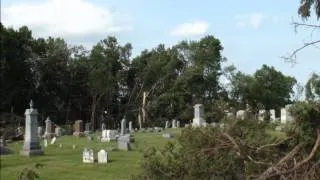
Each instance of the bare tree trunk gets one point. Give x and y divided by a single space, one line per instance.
139 120
143 108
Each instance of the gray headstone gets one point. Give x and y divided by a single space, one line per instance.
178 124
48 131
88 128
123 126
122 145
40 131
31 144
78 128
103 126
58 131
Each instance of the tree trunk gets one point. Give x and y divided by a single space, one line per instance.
93 110
143 108
139 119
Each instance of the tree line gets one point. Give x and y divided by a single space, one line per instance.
104 84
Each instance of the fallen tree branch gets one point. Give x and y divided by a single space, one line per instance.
310 156
272 145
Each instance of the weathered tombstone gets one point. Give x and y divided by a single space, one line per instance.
108 135
48 131
198 116
272 115
174 123
88 128
285 114
31 144
261 114
167 135
40 131
240 114
103 126
88 156
123 126
58 131
124 142
103 156
78 128
53 140
178 124
130 127
167 124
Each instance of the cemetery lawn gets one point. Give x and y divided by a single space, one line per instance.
66 163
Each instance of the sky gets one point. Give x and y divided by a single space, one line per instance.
252 32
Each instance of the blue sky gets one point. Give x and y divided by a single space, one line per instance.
252 32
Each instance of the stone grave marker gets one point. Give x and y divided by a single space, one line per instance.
167 135
88 128
167 124
123 126
102 157
130 127
48 130
87 156
78 128
198 119
178 124
40 131
53 140
31 144
174 125
58 131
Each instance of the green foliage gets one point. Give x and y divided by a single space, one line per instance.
313 88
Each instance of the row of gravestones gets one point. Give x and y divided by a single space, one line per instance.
284 118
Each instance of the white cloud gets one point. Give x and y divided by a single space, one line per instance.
190 29
63 18
253 20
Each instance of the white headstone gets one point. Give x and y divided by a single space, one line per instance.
272 115
174 124
285 115
102 156
31 144
198 116
167 124
108 135
88 156
58 131
178 124
53 140
48 130
261 114
240 114
40 131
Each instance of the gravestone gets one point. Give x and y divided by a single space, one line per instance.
48 131
198 116
124 142
178 124
102 157
58 131
130 127
174 123
31 144
123 126
53 140
103 126
167 135
261 114
87 156
240 114
272 115
78 128
108 135
157 129
285 115
40 131
167 124
88 128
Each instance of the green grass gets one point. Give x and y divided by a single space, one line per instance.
66 163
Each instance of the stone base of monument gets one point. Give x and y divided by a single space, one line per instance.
80 134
